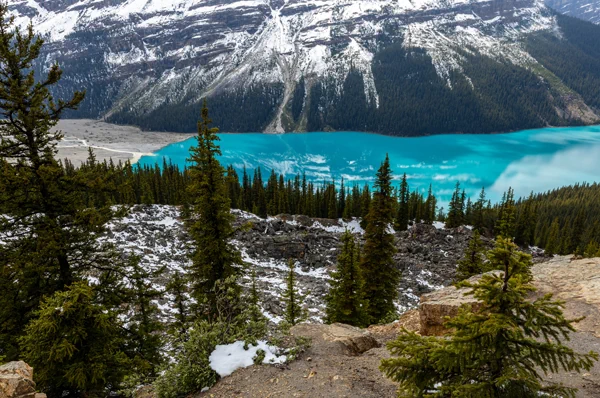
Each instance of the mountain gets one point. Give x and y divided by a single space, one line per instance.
584 9
408 67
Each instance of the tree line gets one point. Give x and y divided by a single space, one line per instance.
561 220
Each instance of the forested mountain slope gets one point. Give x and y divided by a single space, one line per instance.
583 9
394 67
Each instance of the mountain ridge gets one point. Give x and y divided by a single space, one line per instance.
305 65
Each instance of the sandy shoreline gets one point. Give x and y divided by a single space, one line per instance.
121 143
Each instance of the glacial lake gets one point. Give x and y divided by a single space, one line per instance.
531 160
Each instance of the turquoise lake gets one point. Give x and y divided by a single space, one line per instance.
531 160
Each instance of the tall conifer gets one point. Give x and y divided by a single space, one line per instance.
377 263
346 298
210 224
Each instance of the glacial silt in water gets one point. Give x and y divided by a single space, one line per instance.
532 160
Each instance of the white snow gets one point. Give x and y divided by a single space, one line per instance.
227 358
286 41
439 225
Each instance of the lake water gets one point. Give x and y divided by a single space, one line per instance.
532 160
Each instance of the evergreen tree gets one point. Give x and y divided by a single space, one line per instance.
479 210
377 264
178 289
210 224
401 223
75 345
505 225
294 310
473 261
455 217
257 323
525 228
53 224
430 206
553 241
345 301
497 351
144 324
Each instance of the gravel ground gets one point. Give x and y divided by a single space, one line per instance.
110 140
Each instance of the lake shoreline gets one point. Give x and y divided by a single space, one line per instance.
110 141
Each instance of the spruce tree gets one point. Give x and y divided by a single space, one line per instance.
75 345
144 324
553 241
506 223
526 222
51 218
257 322
210 223
178 290
474 259
377 263
455 217
293 299
346 298
479 211
501 350
401 223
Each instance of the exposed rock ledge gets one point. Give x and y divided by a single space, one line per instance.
332 366
576 282
16 381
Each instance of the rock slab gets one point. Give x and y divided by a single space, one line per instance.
341 338
16 381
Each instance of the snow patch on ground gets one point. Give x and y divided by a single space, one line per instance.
227 358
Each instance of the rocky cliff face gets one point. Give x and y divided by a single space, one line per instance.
142 60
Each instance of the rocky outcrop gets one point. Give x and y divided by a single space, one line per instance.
436 307
577 283
16 381
340 338
574 281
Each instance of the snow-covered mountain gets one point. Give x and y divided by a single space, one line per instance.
149 61
588 10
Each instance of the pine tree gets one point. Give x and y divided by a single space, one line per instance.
294 311
505 225
430 206
455 217
178 289
497 351
479 210
346 298
50 214
526 222
473 261
144 324
401 223
210 224
377 263
553 241
75 345
257 323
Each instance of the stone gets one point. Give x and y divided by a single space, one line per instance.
338 337
435 307
16 381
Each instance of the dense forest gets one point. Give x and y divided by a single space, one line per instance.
562 220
